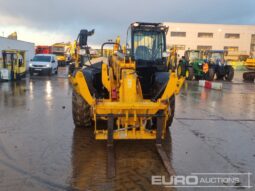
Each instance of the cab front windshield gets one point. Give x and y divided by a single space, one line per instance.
41 59
214 56
194 55
148 45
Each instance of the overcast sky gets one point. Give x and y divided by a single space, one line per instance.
49 21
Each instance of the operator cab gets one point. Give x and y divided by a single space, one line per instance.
216 57
192 55
146 45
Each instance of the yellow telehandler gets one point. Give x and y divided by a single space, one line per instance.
129 95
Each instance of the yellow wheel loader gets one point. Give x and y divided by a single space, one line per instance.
129 95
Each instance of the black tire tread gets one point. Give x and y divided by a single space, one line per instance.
249 76
191 73
210 74
172 107
230 75
81 111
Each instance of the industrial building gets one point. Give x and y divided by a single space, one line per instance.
186 36
12 44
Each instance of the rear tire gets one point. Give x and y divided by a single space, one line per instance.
180 70
172 109
190 74
230 75
81 111
210 74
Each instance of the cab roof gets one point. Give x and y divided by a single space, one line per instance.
149 26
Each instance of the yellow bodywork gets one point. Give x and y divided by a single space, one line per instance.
126 102
62 50
61 58
250 63
17 63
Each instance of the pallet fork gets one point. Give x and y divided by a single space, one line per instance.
111 171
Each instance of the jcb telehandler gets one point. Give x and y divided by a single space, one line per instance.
130 95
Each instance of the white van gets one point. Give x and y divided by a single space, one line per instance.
44 63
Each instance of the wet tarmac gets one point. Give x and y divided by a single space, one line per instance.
213 132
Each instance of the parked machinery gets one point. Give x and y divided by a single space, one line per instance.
43 50
13 65
218 64
250 65
193 65
62 51
236 59
130 95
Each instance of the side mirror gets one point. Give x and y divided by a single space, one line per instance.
165 54
53 61
31 60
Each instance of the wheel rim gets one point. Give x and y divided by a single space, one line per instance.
179 70
187 74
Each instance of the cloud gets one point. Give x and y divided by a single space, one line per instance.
111 18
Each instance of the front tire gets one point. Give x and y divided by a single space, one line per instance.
210 74
171 111
230 74
81 111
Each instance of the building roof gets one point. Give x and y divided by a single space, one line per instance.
204 25
4 38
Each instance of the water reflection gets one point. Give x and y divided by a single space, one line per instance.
48 94
48 89
13 93
192 91
136 162
31 88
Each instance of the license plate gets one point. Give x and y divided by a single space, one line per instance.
38 69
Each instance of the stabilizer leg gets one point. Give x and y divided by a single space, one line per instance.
166 161
110 149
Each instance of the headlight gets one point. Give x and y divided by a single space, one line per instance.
48 65
30 64
136 24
